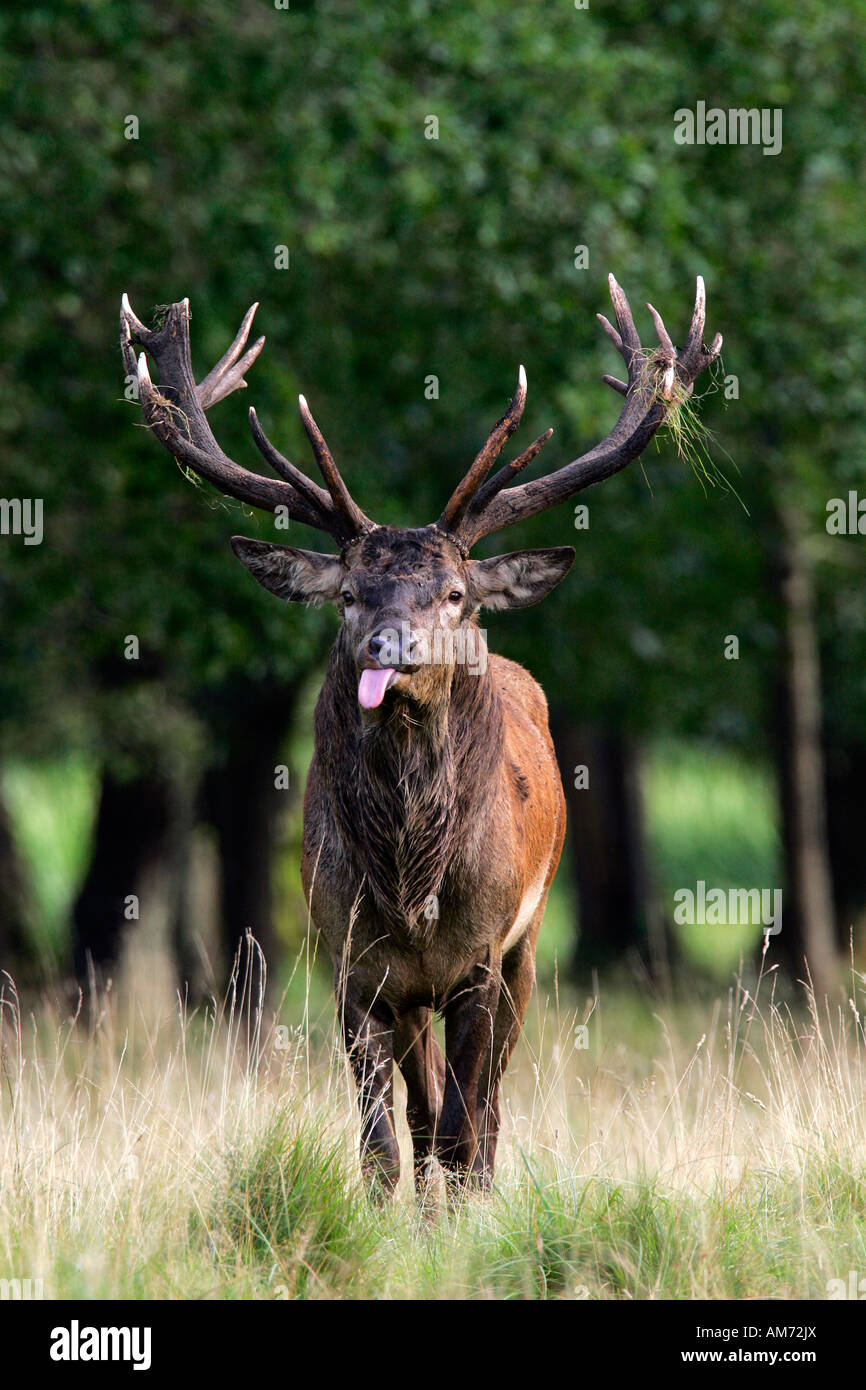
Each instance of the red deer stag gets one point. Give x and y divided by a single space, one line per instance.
434 814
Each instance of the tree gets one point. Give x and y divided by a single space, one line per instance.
447 198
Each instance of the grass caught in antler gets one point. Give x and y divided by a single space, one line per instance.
693 440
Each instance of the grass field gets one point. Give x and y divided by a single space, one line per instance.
684 1153
708 1146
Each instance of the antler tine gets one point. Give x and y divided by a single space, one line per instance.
130 323
614 381
161 415
662 334
695 338
610 331
175 411
505 475
667 354
228 374
354 519
626 341
625 322
461 498
315 495
695 350
647 403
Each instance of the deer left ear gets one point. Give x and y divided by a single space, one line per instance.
518 579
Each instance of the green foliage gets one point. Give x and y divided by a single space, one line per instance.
411 256
52 809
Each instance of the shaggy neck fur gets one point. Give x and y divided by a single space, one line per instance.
409 789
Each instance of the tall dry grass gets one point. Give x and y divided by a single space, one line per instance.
689 1150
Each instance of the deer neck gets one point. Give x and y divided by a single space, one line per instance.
410 789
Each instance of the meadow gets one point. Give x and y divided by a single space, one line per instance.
704 1143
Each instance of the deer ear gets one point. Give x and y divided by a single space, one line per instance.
300 576
518 579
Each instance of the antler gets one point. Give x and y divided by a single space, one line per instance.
459 501
475 510
175 411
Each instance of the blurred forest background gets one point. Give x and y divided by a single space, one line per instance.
307 127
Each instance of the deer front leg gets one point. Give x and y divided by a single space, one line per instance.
469 1018
368 1037
518 978
420 1060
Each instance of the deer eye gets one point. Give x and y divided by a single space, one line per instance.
347 598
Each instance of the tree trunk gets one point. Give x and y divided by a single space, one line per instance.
244 805
846 778
807 938
15 901
617 917
133 826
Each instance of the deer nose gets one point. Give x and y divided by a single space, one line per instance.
392 645
376 643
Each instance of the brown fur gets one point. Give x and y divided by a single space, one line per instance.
448 793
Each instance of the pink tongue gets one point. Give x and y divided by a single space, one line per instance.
373 684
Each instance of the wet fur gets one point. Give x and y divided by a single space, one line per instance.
447 793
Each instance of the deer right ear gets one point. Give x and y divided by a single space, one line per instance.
300 576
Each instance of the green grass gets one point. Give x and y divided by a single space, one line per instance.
711 816
289 1204
52 805
715 1151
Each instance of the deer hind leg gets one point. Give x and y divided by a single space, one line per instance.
420 1059
469 1024
518 977
368 1037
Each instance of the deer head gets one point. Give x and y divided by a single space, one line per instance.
405 596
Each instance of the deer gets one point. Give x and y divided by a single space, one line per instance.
434 815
